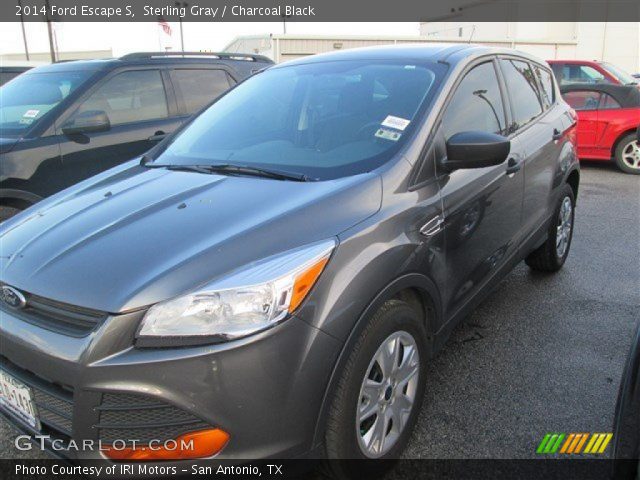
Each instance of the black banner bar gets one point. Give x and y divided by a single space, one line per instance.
548 469
321 10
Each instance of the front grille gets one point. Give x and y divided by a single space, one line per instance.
140 418
54 403
57 316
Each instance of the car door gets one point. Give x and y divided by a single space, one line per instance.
585 103
611 120
537 127
139 112
481 207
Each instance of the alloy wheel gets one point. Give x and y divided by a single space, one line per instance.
387 394
563 228
631 155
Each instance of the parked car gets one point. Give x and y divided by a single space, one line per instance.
274 279
636 75
589 71
626 428
609 116
65 122
10 72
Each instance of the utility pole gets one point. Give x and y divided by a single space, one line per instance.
284 23
50 32
24 33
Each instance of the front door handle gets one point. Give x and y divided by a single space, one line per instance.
156 137
433 226
513 165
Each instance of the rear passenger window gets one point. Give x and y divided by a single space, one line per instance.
582 100
132 96
523 91
607 102
476 104
546 85
198 88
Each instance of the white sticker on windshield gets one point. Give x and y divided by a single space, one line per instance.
31 114
396 122
388 134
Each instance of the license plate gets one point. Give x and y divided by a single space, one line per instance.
17 398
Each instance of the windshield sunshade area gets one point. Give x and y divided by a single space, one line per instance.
27 98
322 120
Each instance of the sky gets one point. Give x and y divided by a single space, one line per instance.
148 36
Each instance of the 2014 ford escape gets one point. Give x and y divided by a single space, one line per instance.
272 280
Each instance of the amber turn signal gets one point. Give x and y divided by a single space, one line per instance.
304 281
199 444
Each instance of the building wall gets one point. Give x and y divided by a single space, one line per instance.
69 55
615 42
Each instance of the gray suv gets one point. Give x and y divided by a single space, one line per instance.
272 280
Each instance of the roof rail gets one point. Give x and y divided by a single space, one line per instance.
247 57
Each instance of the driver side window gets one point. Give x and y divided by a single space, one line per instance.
476 105
132 96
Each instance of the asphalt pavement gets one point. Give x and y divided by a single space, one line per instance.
543 353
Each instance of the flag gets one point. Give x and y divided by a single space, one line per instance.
165 26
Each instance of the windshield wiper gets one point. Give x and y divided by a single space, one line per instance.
229 168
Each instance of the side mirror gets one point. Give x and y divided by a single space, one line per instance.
87 122
476 150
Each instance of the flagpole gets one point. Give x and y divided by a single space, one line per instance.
50 32
185 5
24 33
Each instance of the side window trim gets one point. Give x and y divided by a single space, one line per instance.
553 98
170 93
514 132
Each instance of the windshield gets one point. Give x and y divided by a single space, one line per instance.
321 120
620 74
27 98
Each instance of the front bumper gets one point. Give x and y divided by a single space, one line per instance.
265 390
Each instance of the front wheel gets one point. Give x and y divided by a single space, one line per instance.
552 254
627 154
380 390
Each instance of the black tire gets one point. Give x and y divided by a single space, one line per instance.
546 258
341 441
624 144
8 212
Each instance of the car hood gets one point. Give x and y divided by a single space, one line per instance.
136 236
6 144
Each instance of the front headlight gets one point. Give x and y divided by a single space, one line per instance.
247 301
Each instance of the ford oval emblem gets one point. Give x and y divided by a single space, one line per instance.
12 297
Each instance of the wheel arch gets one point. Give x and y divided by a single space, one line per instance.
630 131
18 198
414 288
573 179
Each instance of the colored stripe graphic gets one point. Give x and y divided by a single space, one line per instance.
598 443
573 443
567 443
543 443
581 443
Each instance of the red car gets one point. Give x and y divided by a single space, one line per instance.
589 71
608 122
